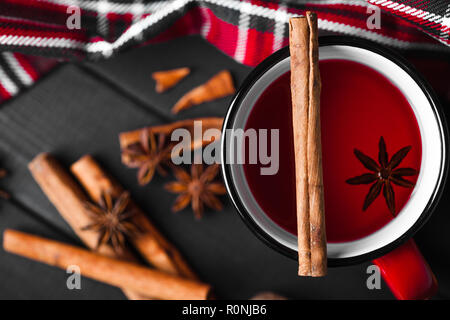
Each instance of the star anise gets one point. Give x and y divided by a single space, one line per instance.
383 174
149 156
111 219
3 194
199 188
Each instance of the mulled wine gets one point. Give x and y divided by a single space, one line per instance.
364 189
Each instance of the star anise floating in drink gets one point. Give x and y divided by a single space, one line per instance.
151 154
383 175
3 194
112 220
200 188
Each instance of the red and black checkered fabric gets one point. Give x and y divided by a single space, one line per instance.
34 34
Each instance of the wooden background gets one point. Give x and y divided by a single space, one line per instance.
81 108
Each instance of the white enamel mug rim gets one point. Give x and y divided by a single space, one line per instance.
433 167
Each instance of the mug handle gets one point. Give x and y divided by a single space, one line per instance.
407 273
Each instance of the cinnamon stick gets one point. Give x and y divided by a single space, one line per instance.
68 198
150 243
168 78
219 86
305 88
131 137
108 270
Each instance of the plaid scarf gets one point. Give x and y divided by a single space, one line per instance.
37 34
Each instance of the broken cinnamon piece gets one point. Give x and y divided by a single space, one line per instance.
219 86
127 139
168 78
115 272
305 88
150 243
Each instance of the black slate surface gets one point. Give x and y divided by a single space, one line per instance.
80 109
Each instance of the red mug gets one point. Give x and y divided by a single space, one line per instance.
391 248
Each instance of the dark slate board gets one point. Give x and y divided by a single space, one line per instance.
80 109
132 72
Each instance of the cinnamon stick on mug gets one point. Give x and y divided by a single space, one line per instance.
115 272
305 88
